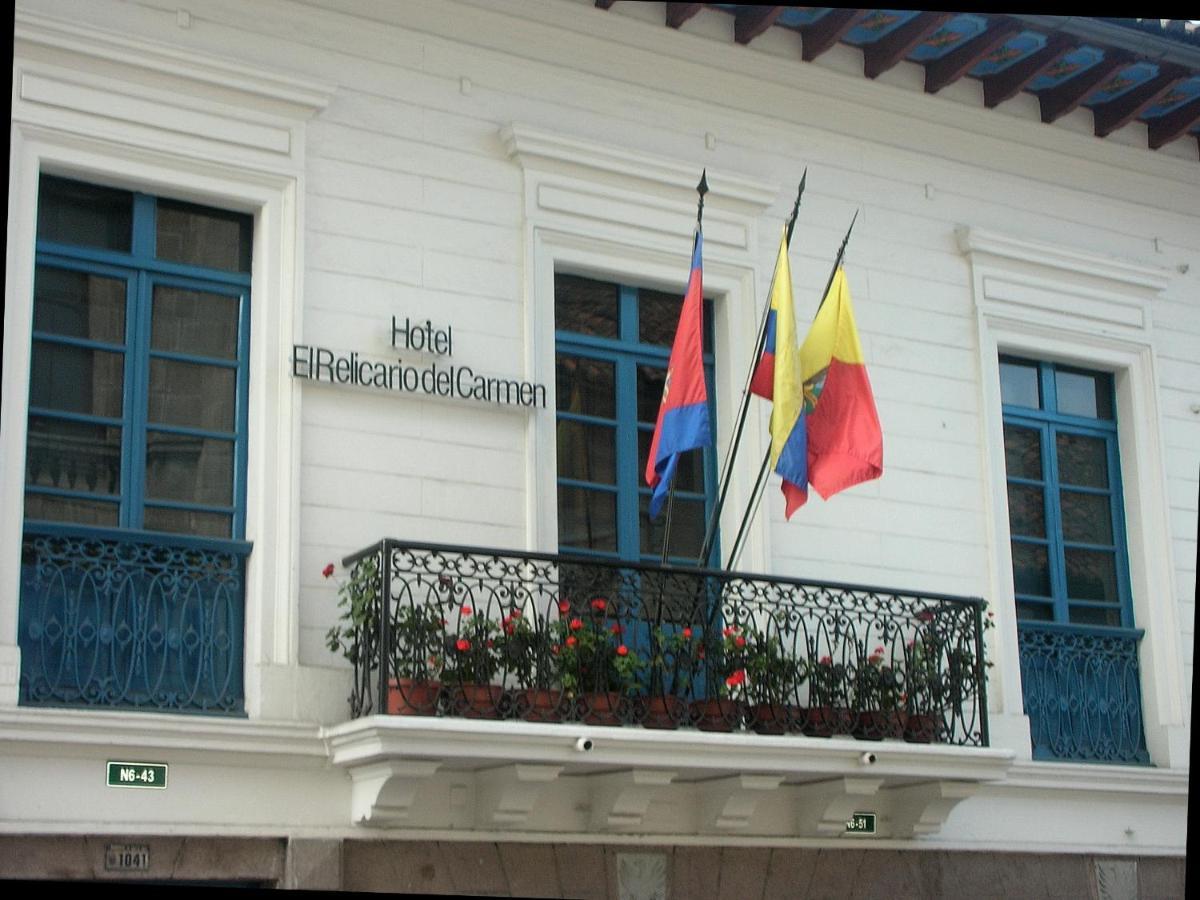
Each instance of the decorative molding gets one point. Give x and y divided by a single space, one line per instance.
981 241
261 85
535 148
729 804
621 799
922 809
506 795
383 794
826 806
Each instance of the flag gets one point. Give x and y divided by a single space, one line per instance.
789 454
845 442
683 414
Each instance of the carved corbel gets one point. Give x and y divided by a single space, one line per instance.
620 800
508 794
728 804
383 793
826 806
923 808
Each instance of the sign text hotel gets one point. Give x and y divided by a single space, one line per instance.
435 379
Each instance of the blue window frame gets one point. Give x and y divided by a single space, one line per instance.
139 374
613 342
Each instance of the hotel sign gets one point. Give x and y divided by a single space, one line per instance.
435 379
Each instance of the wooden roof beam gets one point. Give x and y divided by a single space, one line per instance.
1058 101
678 13
955 64
889 50
1011 81
1124 109
822 34
1174 124
751 21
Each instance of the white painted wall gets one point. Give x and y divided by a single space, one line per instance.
410 204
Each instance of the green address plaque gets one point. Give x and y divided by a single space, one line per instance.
861 823
137 774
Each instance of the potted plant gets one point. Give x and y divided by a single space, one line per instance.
773 682
828 696
671 671
536 695
471 662
722 661
877 689
923 690
595 666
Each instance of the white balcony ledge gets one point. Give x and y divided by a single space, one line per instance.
450 773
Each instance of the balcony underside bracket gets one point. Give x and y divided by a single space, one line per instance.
508 794
728 804
826 806
620 800
383 793
921 809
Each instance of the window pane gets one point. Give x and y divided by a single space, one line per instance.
687 527
587 519
1086 518
586 386
79 304
194 322
1082 460
587 452
1096 615
1083 393
1019 384
44 508
1022 452
71 212
73 456
202 236
1038 612
1026 510
658 317
76 379
191 395
1031 572
1091 575
650 381
586 306
184 521
189 469
689 474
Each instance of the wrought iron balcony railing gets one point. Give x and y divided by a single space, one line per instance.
1082 693
129 620
476 633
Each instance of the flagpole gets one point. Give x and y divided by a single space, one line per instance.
710 531
760 484
701 189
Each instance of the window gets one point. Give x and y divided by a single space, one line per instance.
138 382
612 346
1064 494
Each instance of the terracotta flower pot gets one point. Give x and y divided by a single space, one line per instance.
774 718
539 705
408 697
920 728
716 714
476 701
826 721
875 725
600 708
664 712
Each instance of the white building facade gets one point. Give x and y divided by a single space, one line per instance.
288 279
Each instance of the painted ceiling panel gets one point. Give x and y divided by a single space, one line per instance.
1182 93
879 23
1012 51
1074 63
953 34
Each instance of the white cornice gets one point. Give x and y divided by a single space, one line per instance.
1054 776
529 146
308 95
976 240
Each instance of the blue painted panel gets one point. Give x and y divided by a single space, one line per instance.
879 24
1122 82
1009 53
953 34
796 17
1074 63
1183 93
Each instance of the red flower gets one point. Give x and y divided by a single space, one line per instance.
575 624
466 610
687 633
463 645
825 661
328 570
739 641
571 642
622 650
925 615
738 677
879 651
599 604
554 649
508 629
617 628
516 614
564 606
726 632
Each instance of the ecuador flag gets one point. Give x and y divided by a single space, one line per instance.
845 442
683 414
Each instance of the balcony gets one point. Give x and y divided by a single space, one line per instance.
114 619
531 667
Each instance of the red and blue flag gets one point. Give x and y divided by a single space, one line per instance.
683 414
